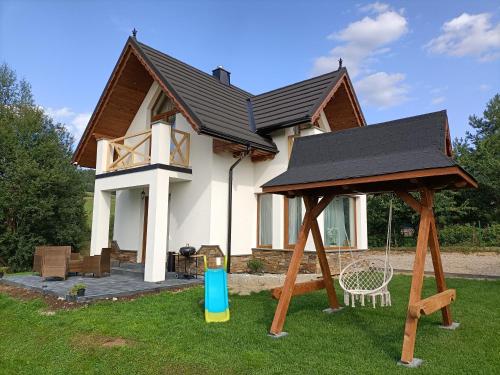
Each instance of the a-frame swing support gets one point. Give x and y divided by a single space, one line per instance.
427 237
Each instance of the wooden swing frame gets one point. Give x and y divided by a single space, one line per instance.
426 183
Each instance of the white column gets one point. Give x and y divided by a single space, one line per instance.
103 156
361 223
160 142
156 241
100 221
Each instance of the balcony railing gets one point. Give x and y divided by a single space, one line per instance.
179 148
130 151
135 150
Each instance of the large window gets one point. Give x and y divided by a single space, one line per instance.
339 221
265 220
293 220
163 109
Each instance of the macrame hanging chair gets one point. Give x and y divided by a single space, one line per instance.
368 276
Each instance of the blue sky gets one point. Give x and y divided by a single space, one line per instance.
404 58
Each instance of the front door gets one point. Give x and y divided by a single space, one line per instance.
145 229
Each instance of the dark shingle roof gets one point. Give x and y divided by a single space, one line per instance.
407 144
220 109
232 113
292 104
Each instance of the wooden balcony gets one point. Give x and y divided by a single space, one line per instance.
135 150
180 144
130 151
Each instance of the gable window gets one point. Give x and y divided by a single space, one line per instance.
163 109
339 226
293 220
265 220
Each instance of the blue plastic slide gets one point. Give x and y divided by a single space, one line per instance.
216 294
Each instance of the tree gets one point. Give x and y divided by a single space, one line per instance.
479 153
41 192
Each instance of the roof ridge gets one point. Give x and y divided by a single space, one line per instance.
230 86
297 83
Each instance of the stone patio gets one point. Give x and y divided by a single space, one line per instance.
123 281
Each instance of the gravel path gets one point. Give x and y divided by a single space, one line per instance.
487 264
458 263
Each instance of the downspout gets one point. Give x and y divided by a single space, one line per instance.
230 206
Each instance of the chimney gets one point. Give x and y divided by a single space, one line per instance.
222 75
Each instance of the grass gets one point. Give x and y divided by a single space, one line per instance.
166 334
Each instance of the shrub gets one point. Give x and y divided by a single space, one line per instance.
255 265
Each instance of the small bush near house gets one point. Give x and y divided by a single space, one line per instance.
255 265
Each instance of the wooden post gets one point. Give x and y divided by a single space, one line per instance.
438 269
291 275
323 261
418 276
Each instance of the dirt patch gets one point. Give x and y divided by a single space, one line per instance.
96 341
53 303
56 303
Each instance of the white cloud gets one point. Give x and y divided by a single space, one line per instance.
375 7
468 35
438 100
75 122
362 40
383 90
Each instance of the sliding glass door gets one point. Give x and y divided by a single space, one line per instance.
339 223
293 220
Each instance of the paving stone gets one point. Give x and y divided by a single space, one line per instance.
119 284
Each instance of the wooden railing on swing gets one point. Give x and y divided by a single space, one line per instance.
179 148
126 154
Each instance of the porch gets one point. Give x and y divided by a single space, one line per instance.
141 170
124 281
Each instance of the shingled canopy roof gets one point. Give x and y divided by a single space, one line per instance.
211 107
404 154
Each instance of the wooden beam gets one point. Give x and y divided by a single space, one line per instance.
291 276
432 304
317 209
438 269
417 279
300 288
390 177
320 250
409 200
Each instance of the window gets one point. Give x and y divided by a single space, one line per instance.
293 220
265 220
163 109
339 226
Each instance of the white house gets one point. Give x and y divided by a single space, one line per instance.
165 136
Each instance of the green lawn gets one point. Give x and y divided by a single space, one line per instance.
167 335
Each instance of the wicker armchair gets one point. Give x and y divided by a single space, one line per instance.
54 262
37 259
98 264
75 263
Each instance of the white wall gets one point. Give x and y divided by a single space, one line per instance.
129 219
198 208
190 202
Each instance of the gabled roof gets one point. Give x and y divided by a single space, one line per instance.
419 143
218 109
211 107
293 104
